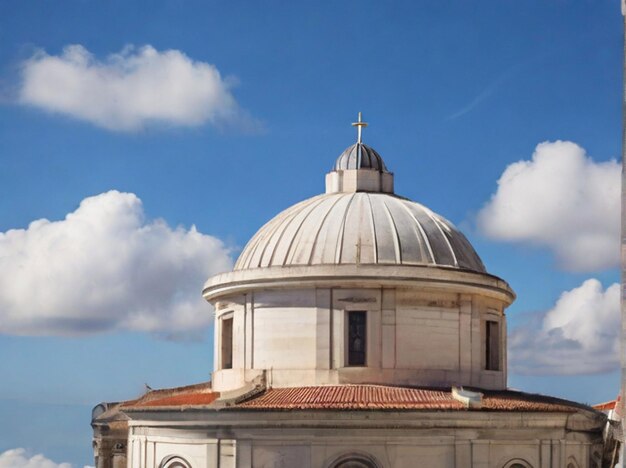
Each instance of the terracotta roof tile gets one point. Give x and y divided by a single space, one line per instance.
606 406
185 399
190 395
509 400
398 398
353 397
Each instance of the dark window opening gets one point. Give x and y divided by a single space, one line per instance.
355 464
355 461
227 343
357 333
492 345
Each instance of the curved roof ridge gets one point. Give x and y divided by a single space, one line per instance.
310 207
286 219
420 229
396 237
247 254
435 219
339 245
360 156
319 229
373 228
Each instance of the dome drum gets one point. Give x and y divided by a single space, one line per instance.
411 335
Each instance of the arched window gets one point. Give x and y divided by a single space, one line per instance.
355 460
174 461
517 463
572 463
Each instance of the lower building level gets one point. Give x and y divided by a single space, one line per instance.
350 426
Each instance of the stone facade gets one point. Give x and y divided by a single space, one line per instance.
381 439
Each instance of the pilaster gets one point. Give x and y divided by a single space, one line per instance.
465 337
388 329
322 328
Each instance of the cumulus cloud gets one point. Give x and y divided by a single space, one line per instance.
19 458
131 89
579 335
563 200
106 267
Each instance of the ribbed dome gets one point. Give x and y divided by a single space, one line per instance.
360 156
358 228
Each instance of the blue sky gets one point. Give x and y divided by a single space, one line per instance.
455 93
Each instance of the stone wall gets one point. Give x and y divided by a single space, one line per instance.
477 447
414 337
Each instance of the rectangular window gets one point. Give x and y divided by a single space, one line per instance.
492 345
227 343
357 338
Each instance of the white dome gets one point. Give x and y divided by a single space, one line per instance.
359 228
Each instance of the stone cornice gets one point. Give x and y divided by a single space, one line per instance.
211 418
362 276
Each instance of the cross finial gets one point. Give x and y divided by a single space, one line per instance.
359 125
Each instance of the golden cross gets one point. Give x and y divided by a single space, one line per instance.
359 125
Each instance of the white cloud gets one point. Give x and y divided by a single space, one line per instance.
579 335
131 89
105 267
19 458
562 200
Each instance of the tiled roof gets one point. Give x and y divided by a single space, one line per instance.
606 406
353 397
509 400
379 397
191 395
185 399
